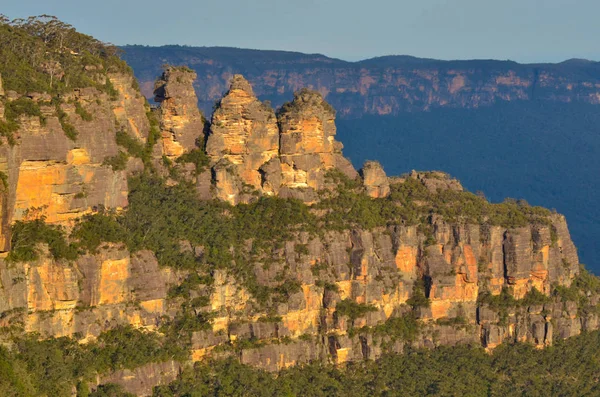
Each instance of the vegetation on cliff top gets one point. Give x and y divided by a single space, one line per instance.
43 54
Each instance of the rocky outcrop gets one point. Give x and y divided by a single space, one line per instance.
87 297
340 294
375 180
436 180
181 123
308 146
244 132
252 150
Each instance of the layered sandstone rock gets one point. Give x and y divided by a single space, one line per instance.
91 295
452 264
288 155
375 180
380 268
308 148
244 132
181 123
63 178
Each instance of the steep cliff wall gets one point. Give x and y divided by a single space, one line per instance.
352 284
442 272
65 177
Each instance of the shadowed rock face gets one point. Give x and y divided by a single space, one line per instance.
181 123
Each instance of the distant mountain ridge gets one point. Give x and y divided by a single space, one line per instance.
386 85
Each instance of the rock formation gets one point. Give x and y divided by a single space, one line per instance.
307 146
288 155
181 123
375 180
436 180
244 132
379 268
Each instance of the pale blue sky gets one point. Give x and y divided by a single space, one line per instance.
521 30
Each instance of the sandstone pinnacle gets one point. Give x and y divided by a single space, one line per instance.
181 123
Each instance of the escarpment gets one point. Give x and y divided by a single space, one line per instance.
57 162
257 241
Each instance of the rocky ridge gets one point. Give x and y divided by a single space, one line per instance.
379 86
346 294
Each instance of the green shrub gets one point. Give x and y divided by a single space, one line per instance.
84 114
94 229
534 297
67 127
26 235
127 347
117 162
196 157
353 310
133 146
21 106
418 298
404 328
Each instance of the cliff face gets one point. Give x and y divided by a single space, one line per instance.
380 268
63 178
439 267
384 85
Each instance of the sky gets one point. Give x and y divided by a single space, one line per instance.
519 30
